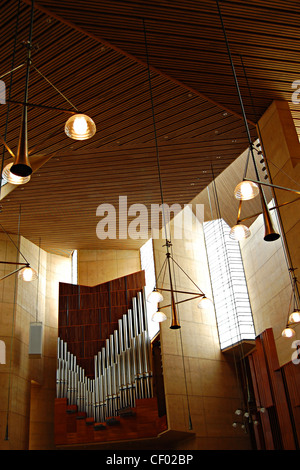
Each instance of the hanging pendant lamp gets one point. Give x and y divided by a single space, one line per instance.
156 296
79 126
294 317
246 190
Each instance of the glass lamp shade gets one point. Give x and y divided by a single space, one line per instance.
246 190
28 274
13 179
239 232
288 333
294 317
158 317
80 127
155 297
204 303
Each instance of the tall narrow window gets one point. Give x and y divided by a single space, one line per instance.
147 264
74 267
229 287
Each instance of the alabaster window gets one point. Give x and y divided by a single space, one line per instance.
147 264
229 287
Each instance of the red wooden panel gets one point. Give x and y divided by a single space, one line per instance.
262 375
292 377
254 379
89 315
292 374
75 428
278 390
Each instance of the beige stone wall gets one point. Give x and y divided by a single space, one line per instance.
98 266
271 286
28 385
196 374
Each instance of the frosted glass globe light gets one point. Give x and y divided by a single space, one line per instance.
239 232
158 317
204 303
80 127
27 274
288 333
12 178
246 190
295 316
155 297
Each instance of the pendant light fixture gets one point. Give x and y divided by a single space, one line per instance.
294 317
155 297
159 317
79 126
12 178
28 274
288 332
169 262
205 303
25 271
248 189
239 232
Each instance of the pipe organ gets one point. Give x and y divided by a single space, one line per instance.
106 366
122 369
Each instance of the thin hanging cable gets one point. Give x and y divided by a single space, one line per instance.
29 53
13 70
12 336
37 288
205 244
55 88
256 114
238 91
246 166
241 348
284 243
226 261
183 361
248 86
10 89
155 134
165 268
16 246
162 266
282 171
168 240
186 274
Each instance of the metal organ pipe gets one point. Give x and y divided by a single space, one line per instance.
122 369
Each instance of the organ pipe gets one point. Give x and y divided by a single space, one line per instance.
122 369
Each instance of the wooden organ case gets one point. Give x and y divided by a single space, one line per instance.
109 383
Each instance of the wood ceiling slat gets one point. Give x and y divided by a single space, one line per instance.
94 52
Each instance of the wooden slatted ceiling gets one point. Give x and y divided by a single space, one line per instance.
94 53
186 42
